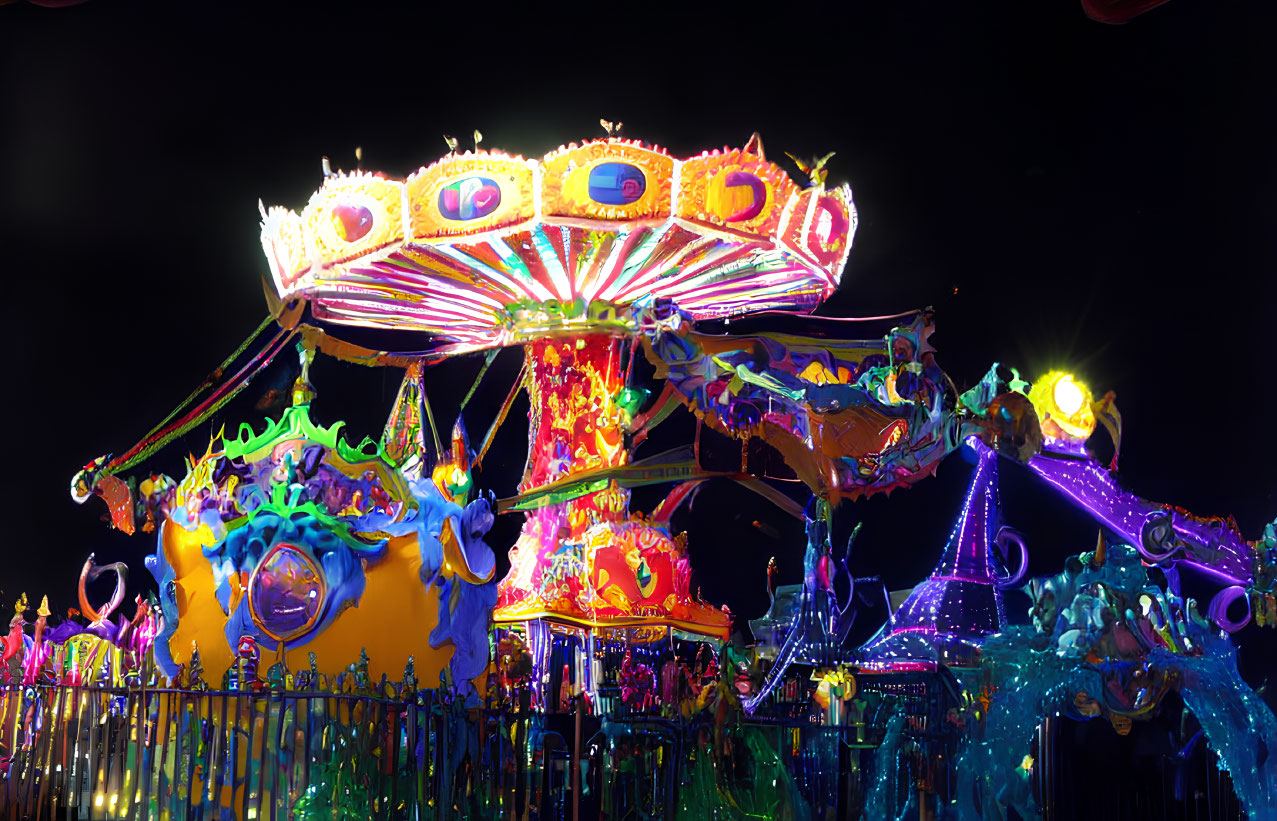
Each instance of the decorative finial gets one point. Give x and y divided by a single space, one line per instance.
461 454
360 670
755 146
478 138
91 571
195 673
327 168
359 154
409 676
815 170
613 129
303 391
452 143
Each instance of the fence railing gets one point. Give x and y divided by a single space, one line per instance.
101 752
154 753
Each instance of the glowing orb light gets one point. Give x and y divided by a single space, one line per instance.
1063 405
1068 396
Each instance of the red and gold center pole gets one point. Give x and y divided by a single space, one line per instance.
582 559
574 426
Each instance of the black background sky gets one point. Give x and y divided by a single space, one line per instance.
1065 193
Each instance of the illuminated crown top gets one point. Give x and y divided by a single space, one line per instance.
485 249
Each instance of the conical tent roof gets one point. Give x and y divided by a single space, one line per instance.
960 602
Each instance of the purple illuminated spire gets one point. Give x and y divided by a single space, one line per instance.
945 617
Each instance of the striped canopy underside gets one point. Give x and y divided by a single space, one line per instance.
460 291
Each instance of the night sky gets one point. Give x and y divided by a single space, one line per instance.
1064 193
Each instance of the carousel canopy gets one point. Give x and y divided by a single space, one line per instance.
484 249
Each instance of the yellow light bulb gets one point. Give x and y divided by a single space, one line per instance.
1068 396
1063 406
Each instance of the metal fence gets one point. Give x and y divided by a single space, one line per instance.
141 753
168 754
101 752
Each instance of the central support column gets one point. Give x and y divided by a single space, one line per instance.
574 426
580 557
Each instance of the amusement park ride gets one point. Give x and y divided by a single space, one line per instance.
591 680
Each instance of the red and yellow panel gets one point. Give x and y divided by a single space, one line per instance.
284 241
608 181
734 191
354 215
463 195
819 224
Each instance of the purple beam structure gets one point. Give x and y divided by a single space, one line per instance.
1163 536
1160 534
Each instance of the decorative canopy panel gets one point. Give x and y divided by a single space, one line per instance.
485 249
